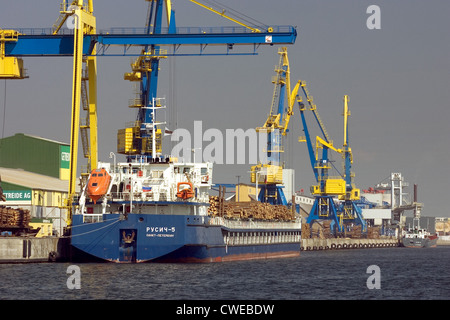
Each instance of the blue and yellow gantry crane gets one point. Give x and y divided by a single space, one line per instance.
85 43
335 197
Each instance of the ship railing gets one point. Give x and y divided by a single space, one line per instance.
163 195
127 196
92 218
261 237
251 224
194 30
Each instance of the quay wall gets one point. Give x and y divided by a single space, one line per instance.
443 242
31 249
341 243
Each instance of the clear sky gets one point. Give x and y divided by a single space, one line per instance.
397 78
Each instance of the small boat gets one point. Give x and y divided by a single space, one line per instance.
417 237
185 190
98 184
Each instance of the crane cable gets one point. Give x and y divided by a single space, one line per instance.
4 112
242 16
239 15
173 115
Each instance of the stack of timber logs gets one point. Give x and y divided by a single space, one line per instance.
215 206
326 230
322 230
306 230
249 210
373 232
319 229
353 232
14 217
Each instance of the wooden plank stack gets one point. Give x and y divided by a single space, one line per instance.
354 232
10 217
373 232
326 229
322 230
249 210
306 231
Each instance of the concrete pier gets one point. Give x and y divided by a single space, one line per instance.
341 243
443 242
31 249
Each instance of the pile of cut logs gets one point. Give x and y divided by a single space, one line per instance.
216 206
248 210
373 232
326 230
323 230
10 217
353 232
306 231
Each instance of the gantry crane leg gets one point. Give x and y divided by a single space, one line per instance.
76 102
84 22
93 135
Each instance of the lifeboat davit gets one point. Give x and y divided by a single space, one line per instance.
98 184
185 190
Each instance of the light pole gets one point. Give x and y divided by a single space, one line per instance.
112 155
193 152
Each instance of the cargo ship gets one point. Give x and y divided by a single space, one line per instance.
155 208
418 238
158 210
415 236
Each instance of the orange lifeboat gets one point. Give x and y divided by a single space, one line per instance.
98 184
185 190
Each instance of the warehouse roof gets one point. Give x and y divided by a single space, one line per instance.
39 138
33 180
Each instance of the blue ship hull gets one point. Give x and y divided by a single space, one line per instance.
178 238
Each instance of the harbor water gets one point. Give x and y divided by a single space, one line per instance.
420 274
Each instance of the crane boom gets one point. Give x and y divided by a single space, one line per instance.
279 117
313 108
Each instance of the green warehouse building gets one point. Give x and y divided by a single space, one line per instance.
35 154
34 174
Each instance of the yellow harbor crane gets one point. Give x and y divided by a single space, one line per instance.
269 173
330 188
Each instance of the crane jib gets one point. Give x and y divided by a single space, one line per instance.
39 42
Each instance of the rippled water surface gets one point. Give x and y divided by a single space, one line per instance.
334 274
